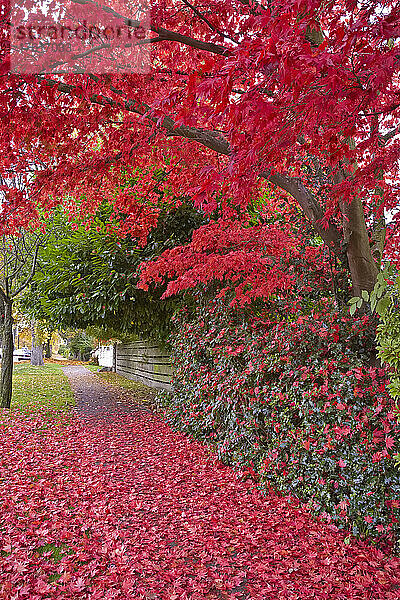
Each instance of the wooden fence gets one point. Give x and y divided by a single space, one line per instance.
145 362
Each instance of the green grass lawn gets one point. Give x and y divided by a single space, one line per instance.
43 387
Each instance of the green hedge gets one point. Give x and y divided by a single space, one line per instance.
291 401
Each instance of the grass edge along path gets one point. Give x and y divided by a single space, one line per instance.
139 391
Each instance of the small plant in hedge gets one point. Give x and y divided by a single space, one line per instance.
385 301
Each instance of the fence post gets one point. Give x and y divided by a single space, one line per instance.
114 358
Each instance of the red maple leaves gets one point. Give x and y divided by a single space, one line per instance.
249 258
129 509
236 92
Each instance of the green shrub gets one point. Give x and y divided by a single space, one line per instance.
81 345
291 401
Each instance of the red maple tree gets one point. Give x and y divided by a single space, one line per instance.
302 94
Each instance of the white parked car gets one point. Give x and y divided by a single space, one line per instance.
22 354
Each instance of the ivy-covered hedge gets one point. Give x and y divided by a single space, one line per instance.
290 401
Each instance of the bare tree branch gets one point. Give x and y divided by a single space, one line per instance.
28 280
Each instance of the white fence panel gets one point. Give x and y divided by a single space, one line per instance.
105 355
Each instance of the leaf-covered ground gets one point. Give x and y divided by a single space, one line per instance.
123 507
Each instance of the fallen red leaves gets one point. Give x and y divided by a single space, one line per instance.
129 509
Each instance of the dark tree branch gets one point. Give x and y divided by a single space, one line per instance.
172 36
28 280
384 138
210 139
165 34
215 140
253 5
311 208
207 22
3 295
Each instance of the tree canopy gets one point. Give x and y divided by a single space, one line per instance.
300 95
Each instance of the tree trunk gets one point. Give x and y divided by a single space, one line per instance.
37 355
363 268
7 357
37 351
48 348
378 240
2 309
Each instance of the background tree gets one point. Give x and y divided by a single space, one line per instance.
81 345
87 275
18 261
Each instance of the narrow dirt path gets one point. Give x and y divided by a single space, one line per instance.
95 398
136 511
